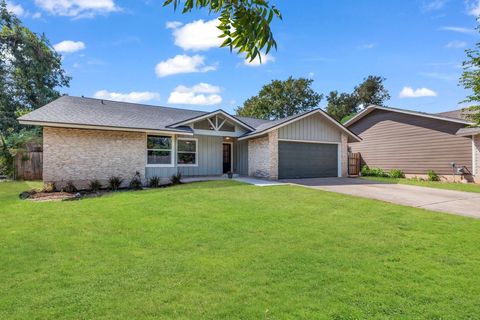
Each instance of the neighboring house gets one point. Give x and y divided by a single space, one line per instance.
87 139
416 142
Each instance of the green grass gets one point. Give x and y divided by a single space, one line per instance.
225 250
469 187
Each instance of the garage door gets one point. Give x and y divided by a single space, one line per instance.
307 160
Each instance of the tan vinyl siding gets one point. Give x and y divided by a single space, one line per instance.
312 128
411 143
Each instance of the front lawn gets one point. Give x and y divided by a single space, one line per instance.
469 187
225 250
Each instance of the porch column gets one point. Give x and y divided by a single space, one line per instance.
273 154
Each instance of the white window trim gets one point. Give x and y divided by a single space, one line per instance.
196 153
158 165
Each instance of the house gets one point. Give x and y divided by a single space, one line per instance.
416 142
87 139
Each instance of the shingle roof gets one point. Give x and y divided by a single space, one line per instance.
468 131
456 114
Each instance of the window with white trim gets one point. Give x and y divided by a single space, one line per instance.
187 152
159 150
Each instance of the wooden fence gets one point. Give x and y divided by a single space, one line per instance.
354 160
29 165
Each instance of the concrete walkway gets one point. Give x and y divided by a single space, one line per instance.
455 202
249 180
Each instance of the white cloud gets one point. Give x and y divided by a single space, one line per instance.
456 44
77 8
367 46
199 94
36 15
458 29
473 8
409 92
16 9
173 24
69 46
433 5
198 35
133 96
182 64
440 76
266 58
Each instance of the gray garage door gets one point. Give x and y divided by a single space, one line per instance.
307 160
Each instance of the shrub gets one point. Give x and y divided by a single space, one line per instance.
176 178
154 182
49 187
136 182
373 172
114 183
70 187
94 185
432 176
396 173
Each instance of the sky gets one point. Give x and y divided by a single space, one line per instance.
140 51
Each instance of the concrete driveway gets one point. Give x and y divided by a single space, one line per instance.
455 202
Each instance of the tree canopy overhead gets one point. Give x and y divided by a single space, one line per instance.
244 24
280 99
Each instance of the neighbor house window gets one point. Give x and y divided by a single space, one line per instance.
159 150
187 152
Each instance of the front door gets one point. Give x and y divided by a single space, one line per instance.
227 157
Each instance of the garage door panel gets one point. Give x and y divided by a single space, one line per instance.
307 160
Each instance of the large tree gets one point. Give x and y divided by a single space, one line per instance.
244 24
30 73
280 99
343 105
470 80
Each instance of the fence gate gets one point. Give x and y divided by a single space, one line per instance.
29 165
354 164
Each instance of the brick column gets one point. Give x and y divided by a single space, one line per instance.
344 155
273 154
476 157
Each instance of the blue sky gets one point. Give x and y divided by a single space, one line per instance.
139 51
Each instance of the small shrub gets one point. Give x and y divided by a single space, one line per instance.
49 187
176 178
114 183
94 185
373 172
432 176
154 182
70 187
136 182
396 174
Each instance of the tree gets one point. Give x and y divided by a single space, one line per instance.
344 105
372 91
280 99
30 70
244 24
341 105
470 80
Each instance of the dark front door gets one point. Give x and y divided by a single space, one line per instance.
227 157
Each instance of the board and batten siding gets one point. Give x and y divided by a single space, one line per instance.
312 128
240 155
209 154
410 143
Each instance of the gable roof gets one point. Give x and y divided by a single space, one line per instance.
210 114
371 108
90 113
275 124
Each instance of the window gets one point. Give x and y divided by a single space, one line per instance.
187 152
159 150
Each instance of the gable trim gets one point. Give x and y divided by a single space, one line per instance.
208 115
371 108
299 117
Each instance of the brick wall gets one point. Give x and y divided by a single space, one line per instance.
476 157
258 157
79 155
344 154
